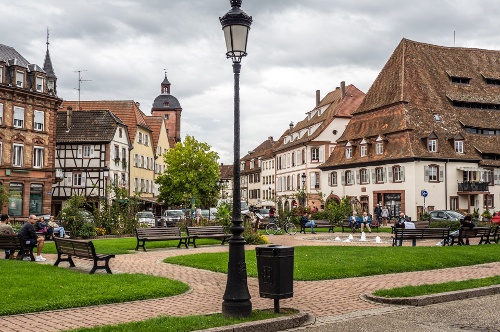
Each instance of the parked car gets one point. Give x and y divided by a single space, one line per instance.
208 214
445 215
146 218
172 217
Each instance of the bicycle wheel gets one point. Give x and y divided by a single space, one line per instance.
290 228
271 228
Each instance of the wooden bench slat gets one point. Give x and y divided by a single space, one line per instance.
67 248
469 233
321 223
144 235
14 242
206 232
401 234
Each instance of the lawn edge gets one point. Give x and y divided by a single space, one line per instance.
424 300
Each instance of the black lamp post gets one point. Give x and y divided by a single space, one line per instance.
236 25
304 199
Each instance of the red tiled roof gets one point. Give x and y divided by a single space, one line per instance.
126 110
154 122
413 87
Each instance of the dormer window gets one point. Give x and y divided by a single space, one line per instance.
19 79
363 150
348 151
165 116
39 84
432 145
493 81
460 80
437 118
459 146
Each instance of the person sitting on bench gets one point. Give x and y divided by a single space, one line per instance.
6 229
28 234
305 222
465 223
365 221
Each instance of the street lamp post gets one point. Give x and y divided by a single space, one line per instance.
236 25
303 176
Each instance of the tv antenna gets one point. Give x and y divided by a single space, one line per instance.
80 80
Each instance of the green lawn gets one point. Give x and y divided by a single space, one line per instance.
126 245
335 262
29 287
184 324
410 291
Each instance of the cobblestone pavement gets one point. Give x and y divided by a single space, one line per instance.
328 300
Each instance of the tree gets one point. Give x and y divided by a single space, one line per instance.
192 170
338 212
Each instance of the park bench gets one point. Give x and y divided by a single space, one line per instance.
206 232
401 234
323 223
13 242
345 224
67 249
144 235
483 233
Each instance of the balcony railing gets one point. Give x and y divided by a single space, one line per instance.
473 186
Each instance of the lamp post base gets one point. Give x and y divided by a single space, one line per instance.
237 308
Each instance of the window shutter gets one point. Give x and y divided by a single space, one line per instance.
374 178
426 173
402 173
69 177
312 180
321 154
342 177
330 179
368 176
91 151
441 174
497 176
79 153
358 180
389 172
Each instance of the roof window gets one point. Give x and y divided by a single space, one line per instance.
460 80
493 81
437 117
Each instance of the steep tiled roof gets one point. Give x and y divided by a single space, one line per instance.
414 95
336 106
126 110
87 126
226 171
263 151
154 122
9 53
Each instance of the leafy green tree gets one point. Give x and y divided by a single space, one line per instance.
192 170
337 212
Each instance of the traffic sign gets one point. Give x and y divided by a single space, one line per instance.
424 193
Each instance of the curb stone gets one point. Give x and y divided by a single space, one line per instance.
268 325
434 298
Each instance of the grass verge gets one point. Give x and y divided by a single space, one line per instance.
335 262
411 291
126 245
185 324
29 287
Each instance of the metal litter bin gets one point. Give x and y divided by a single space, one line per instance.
275 272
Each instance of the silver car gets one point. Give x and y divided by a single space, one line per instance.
172 217
146 218
445 215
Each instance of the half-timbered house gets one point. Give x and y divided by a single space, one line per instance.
92 153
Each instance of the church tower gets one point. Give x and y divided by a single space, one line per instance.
49 70
169 108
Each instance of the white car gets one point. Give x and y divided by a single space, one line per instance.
146 218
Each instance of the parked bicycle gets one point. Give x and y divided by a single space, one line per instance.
274 227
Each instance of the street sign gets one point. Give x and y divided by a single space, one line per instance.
424 193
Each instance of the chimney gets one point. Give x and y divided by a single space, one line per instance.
318 97
270 138
342 87
69 115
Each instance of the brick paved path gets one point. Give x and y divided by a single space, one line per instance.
325 299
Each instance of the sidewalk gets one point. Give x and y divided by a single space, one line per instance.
323 299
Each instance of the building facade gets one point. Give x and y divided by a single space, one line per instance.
308 144
28 108
92 155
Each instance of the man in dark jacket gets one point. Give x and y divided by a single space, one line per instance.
28 234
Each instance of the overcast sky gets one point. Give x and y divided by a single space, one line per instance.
295 48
